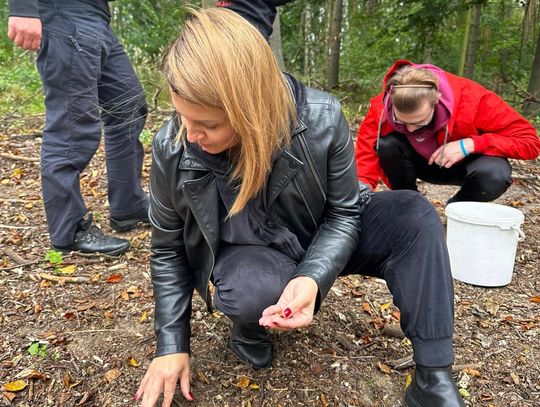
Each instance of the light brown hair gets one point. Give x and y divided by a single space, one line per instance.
221 61
411 87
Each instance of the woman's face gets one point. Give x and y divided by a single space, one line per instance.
208 127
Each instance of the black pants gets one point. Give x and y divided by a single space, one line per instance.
482 178
401 241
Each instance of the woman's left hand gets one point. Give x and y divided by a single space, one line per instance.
295 307
452 153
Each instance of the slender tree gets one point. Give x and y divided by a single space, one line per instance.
334 43
532 106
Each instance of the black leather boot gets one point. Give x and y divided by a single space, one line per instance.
251 343
89 240
433 387
128 222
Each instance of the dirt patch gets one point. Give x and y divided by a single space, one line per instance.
93 339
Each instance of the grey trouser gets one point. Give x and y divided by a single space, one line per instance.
89 86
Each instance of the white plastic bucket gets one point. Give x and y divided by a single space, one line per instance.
482 242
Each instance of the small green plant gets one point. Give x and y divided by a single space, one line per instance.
54 257
38 349
146 137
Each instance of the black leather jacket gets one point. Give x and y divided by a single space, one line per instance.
312 190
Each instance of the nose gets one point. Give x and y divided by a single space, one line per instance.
411 127
193 132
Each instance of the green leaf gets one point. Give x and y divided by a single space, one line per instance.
54 257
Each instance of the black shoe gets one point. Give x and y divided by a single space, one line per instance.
128 222
94 241
251 343
433 387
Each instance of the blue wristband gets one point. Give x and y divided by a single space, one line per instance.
463 149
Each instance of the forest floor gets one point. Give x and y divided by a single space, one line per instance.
79 333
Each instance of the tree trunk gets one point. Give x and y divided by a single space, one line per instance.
532 106
308 49
472 48
466 39
332 62
275 42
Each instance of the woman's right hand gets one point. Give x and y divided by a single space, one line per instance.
161 377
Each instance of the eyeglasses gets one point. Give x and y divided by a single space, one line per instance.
419 124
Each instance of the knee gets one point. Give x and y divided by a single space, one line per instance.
390 147
490 182
414 213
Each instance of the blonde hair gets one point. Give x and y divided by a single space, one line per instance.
411 87
221 61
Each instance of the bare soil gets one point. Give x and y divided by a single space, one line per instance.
92 327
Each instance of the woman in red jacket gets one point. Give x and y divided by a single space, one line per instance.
443 129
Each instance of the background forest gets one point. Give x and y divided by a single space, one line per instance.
342 45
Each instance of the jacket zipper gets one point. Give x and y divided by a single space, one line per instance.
311 215
310 163
208 300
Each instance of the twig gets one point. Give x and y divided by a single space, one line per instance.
16 227
67 279
459 368
403 363
14 256
18 157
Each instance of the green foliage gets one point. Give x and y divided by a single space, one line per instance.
54 257
146 137
38 349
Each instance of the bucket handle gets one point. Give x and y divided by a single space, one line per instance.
519 232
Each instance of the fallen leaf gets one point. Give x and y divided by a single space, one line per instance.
143 317
384 368
243 382
515 378
124 295
31 374
536 299
108 314
68 269
517 203
367 308
86 307
408 380
385 306
324 401
15 386
133 362
112 375
203 378
254 386
70 316
464 393
9 395
472 372
115 278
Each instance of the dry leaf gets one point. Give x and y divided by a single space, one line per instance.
408 380
124 295
472 372
385 306
384 368
133 362
464 393
143 317
367 308
112 375
515 378
203 378
324 401
31 374
70 316
115 278
243 382
9 395
68 269
17 385
108 314
536 299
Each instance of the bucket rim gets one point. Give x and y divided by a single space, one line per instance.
458 211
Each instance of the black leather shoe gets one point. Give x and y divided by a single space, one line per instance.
128 222
94 241
251 343
433 387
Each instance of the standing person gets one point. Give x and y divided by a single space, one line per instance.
246 145
432 125
89 86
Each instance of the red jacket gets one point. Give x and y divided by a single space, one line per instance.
495 127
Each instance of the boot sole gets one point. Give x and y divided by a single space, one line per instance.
127 225
113 254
